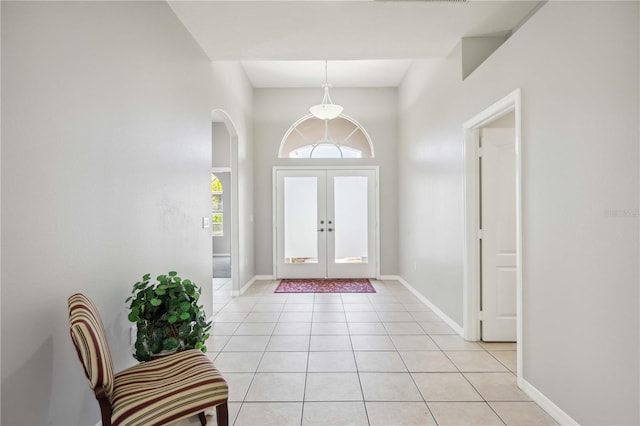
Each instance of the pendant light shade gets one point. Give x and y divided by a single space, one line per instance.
326 110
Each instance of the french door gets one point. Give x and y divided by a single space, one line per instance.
326 223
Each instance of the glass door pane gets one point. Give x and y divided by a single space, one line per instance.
300 219
351 219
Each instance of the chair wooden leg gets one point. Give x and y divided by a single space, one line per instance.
203 418
222 413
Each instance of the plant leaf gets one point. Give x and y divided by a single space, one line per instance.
156 302
184 316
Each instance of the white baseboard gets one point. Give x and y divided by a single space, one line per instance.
264 278
444 317
245 287
546 404
389 278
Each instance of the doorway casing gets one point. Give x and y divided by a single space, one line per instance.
471 251
219 115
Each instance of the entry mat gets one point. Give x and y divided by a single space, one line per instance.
342 285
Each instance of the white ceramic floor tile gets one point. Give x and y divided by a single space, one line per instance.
427 362
367 328
508 358
262 317
378 361
292 329
497 386
329 328
283 362
475 361
464 413
238 385
330 343
277 387
268 307
362 316
237 362
498 346
270 414
522 413
389 387
436 327
403 328
333 387
372 343
389 307
255 329
388 316
334 413
329 317
298 307
445 387
414 343
328 307
331 362
216 343
451 342
288 343
246 343
358 307
230 317
224 328
296 317
399 413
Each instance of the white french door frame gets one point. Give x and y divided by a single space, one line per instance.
274 206
471 252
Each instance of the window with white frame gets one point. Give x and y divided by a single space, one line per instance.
216 206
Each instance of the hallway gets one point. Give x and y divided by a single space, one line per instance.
378 359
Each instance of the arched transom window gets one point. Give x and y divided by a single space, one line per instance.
311 137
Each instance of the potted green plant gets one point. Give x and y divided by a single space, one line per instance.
167 316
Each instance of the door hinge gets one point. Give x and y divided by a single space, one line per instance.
481 315
480 234
480 152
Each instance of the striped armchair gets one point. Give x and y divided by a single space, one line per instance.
156 392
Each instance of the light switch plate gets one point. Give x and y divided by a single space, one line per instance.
205 222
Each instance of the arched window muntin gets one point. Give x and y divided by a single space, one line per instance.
325 142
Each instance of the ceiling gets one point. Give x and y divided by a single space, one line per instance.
367 43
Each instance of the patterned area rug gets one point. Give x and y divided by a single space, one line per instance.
325 286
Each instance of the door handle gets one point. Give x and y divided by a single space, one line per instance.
330 229
322 229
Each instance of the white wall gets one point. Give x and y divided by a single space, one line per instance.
577 65
220 143
106 160
277 109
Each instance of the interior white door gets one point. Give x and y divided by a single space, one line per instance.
325 223
498 242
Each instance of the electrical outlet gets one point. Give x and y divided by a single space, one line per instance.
415 265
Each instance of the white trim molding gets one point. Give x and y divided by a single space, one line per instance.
444 317
236 293
471 255
546 404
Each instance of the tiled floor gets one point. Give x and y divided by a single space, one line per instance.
358 359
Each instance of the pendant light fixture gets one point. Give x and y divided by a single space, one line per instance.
327 110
